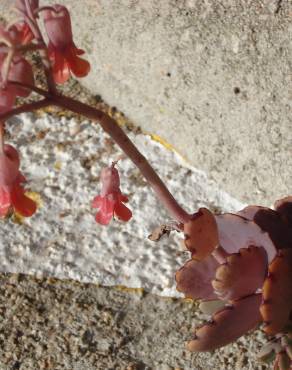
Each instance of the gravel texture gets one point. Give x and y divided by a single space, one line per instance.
54 324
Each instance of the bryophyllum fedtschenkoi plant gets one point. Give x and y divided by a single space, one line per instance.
241 264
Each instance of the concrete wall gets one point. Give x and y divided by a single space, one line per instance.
213 78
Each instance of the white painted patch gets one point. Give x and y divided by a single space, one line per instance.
63 240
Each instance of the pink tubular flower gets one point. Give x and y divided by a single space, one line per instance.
16 34
19 70
110 201
12 192
25 32
26 36
63 53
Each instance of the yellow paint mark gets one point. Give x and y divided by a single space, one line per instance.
129 290
163 142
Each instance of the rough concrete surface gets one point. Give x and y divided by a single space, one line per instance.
211 77
52 324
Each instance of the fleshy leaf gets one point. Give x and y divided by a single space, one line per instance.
236 232
228 324
284 207
249 212
277 293
275 223
271 222
201 234
242 274
194 278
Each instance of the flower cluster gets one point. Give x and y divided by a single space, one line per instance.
17 80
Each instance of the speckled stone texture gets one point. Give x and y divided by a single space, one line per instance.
211 77
53 325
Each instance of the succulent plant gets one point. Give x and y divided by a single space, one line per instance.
241 270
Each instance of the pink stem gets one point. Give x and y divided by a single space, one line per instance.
28 9
23 48
26 108
36 89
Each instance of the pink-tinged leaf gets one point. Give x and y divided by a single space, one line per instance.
228 324
194 278
201 234
242 274
284 207
236 232
277 293
279 231
122 212
249 212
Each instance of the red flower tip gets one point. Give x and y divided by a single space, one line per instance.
63 53
25 33
12 192
110 201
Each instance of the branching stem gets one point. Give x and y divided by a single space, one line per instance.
111 127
